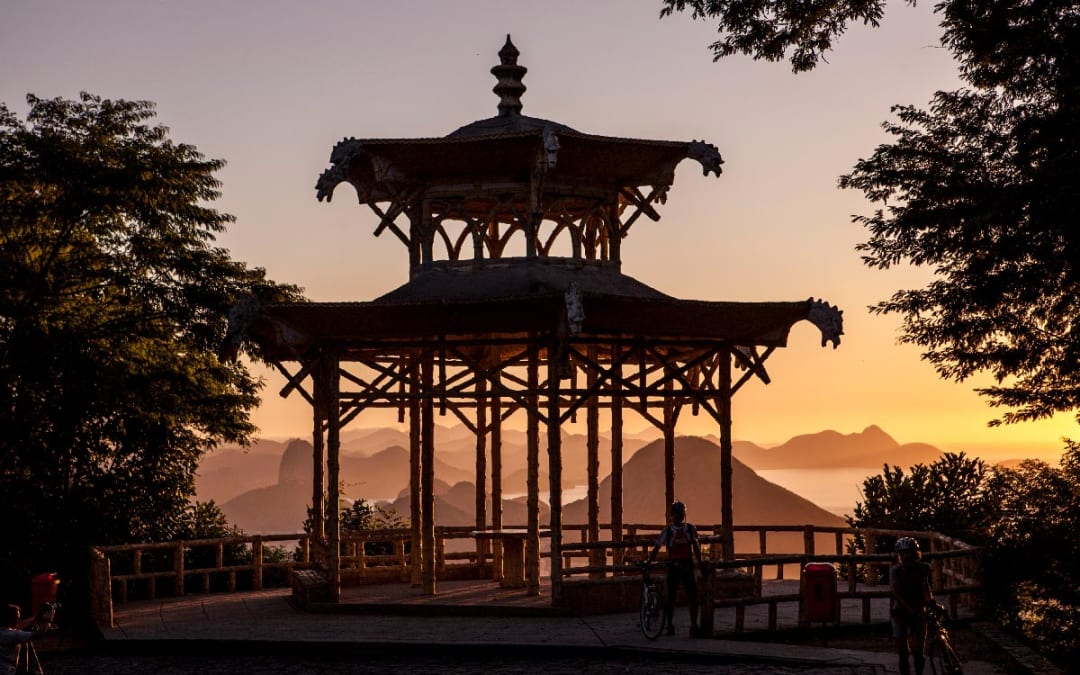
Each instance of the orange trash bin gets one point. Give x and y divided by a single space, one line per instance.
43 589
819 592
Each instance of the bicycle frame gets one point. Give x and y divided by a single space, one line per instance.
938 649
653 614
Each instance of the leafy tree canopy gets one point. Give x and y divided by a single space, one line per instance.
798 30
113 305
980 186
1024 518
945 497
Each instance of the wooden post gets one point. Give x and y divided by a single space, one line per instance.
804 614
482 544
416 228
614 232
554 438
101 605
318 456
427 230
616 453
532 540
669 447
257 562
416 508
496 480
333 470
937 567
178 567
399 551
427 473
592 442
727 531
707 602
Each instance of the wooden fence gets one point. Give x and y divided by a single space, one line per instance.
144 571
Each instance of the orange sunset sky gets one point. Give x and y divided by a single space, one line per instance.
271 86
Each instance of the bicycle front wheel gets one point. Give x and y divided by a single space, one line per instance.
652 614
942 659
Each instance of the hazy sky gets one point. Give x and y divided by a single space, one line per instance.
271 86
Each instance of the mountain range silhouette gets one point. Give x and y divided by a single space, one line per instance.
267 487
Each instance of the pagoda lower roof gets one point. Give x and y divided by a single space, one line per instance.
510 302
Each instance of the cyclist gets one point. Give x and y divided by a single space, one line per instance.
681 540
909 581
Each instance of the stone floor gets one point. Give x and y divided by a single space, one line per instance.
261 632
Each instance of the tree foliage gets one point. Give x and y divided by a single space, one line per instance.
362 515
798 30
113 305
1024 518
945 497
1032 565
979 186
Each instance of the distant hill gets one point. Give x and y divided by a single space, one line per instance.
755 501
455 505
232 470
870 448
280 507
279 503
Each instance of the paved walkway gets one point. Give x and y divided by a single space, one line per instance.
265 622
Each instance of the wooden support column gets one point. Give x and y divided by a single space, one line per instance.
532 432
669 447
496 478
592 444
318 457
333 470
614 228
616 451
726 523
427 229
416 235
554 437
427 473
416 508
482 544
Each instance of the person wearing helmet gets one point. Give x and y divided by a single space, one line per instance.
909 581
681 540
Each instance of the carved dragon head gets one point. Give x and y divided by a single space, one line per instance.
707 154
340 158
828 318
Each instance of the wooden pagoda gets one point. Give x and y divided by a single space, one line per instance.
515 303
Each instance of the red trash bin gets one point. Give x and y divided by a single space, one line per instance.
43 589
819 592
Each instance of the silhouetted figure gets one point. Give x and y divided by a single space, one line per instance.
909 581
13 637
681 540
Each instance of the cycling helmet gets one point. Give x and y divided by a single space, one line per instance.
678 507
906 544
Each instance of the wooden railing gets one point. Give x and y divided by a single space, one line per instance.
382 556
955 566
202 565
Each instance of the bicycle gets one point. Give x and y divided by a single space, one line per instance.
653 605
939 651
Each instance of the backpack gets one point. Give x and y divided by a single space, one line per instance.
679 544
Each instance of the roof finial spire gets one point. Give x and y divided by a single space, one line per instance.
509 88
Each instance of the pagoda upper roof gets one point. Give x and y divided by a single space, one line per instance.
507 152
